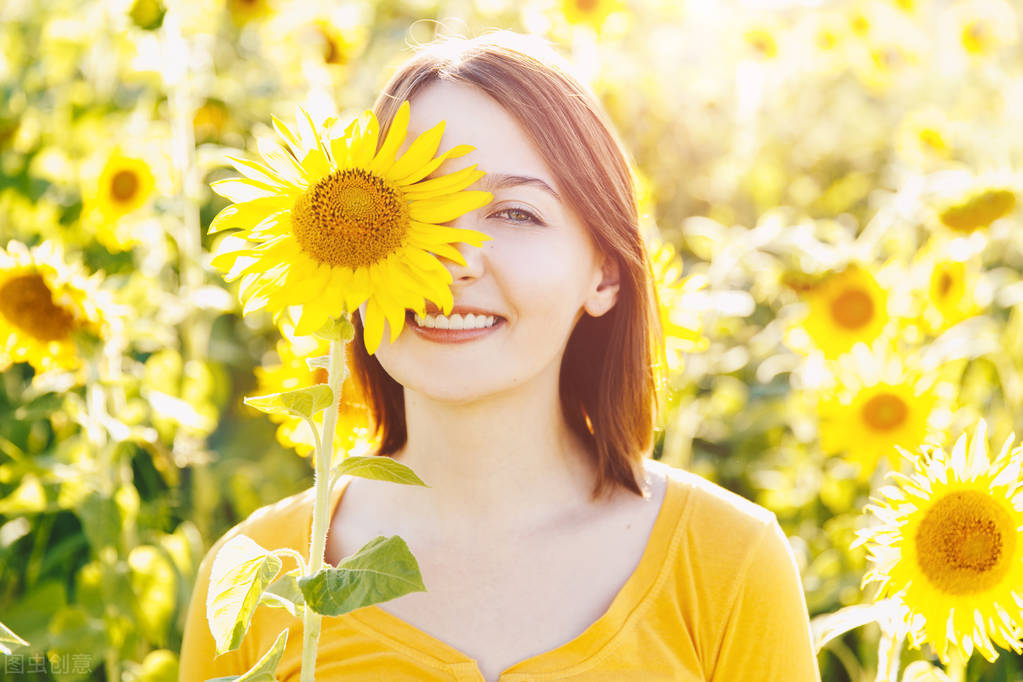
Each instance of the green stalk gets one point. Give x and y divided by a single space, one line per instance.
312 620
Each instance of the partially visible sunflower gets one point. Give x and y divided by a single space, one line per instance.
924 136
984 26
948 547
590 13
846 307
44 302
879 401
353 422
978 209
681 327
333 222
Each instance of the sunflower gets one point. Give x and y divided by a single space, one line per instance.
125 184
847 307
44 302
879 402
948 547
950 297
761 40
332 222
354 422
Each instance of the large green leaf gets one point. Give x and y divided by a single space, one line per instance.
304 402
377 467
383 569
241 571
264 669
7 637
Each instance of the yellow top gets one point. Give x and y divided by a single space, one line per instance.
716 596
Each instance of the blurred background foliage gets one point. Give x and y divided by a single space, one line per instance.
837 182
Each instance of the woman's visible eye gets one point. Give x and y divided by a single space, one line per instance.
519 215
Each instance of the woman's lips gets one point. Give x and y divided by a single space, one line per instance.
450 335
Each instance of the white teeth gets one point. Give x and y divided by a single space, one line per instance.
456 321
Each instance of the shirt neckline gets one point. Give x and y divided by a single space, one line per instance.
637 592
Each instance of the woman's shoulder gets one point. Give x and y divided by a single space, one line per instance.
705 500
715 526
276 525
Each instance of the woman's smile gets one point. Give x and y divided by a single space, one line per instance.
470 332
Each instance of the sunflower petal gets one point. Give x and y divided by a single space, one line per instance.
240 190
256 171
358 288
433 165
392 143
439 248
313 317
374 328
280 159
419 153
365 145
446 184
246 213
289 137
447 209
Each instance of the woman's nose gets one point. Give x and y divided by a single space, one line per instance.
473 256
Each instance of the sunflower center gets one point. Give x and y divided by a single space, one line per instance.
586 5
965 542
884 412
944 284
852 308
124 185
27 303
350 218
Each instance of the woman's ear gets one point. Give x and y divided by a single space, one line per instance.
604 296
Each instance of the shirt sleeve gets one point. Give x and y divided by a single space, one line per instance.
197 661
766 631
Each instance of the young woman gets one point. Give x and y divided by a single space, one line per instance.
551 545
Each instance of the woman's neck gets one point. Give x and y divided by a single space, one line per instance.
506 462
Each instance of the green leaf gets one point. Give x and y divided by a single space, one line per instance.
318 362
7 637
285 593
101 520
241 571
264 669
303 402
336 329
383 569
377 467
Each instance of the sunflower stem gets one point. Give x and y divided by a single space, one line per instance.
324 450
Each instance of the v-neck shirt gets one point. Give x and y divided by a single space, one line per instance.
715 596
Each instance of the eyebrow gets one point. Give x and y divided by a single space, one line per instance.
501 181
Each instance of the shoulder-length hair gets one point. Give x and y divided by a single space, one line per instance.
608 376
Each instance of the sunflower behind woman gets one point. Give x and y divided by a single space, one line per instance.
949 547
44 303
331 222
353 425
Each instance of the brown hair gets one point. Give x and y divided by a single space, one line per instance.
607 379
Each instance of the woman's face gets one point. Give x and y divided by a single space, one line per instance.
539 270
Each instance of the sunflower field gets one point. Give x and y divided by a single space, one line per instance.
829 194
